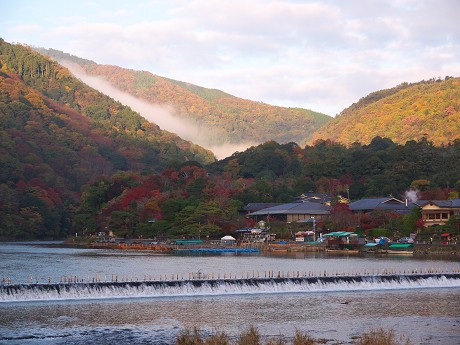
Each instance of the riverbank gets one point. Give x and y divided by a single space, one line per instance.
272 248
437 249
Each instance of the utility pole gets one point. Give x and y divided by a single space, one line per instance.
314 229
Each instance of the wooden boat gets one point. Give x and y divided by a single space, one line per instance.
401 248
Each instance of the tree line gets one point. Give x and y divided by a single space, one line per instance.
190 200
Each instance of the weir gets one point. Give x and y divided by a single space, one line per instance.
199 287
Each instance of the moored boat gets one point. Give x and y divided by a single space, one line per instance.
401 248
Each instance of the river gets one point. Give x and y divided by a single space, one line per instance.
425 310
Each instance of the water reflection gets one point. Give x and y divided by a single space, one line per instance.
428 316
418 314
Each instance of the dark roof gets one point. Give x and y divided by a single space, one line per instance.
256 206
388 203
295 208
441 203
371 203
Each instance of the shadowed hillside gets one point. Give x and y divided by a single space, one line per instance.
57 134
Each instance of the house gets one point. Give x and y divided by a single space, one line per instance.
389 204
438 212
294 212
257 206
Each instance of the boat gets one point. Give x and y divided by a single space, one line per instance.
219 250
401 248
376 248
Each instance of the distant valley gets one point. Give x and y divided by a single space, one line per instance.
208 117
213 118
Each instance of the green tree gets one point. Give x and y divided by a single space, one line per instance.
123 223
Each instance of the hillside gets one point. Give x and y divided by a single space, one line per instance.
225 118
192 201
428 109
57 134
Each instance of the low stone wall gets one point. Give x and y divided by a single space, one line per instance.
294 247
438 249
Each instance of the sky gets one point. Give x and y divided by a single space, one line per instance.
320 55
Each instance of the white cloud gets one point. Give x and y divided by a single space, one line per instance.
322 55
25 28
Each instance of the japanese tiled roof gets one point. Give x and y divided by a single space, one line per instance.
388 203
295 208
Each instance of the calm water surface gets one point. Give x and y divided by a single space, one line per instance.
428 315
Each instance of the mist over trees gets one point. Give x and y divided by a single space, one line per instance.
221 119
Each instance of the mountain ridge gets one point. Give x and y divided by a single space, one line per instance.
57 135
408 111
403 113
226 118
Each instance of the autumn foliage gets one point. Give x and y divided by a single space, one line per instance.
226 118
73 160
427 109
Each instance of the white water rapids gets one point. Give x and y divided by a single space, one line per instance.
83 291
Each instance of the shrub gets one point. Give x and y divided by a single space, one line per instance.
302 339
252 337
249 337
381 337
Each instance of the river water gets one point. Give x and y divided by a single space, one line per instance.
425 310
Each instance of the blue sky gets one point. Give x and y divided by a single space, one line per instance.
321 55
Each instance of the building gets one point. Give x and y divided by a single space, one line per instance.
438 212
257 206
389 204
294 212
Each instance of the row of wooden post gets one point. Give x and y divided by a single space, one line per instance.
244 275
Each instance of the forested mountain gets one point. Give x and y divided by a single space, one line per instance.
74 160
428 109
191 200
57 134
380 168
228 119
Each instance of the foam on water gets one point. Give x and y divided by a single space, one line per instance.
158 289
